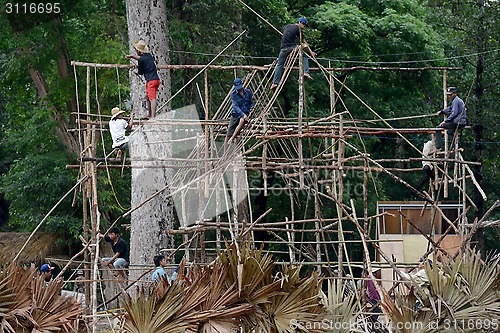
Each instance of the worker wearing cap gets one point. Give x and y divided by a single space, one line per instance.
457 117
146 66
117 128
288 44
46 272
242 102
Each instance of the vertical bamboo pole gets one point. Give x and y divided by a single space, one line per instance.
446 143
201 142
185 237
301 112
207 137
462 227
264 156
291 248
94 211
235 196
317 216
340 193
86 193
365 198
213 154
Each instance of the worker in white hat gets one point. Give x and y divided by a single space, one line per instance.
117 128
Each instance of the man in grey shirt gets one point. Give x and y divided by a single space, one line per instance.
457 118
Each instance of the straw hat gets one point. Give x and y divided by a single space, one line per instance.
141 46
115 112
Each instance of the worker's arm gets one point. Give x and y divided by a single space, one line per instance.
444 111
308 49
130 56
130 121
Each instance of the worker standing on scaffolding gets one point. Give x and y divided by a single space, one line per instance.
456 120
147 67
117 128
242 102
288 44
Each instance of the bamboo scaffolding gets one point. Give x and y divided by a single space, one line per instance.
310 155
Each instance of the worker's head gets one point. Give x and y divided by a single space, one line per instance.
421 262
160 260
140 47
238 84
116 113
303 22
114 233
46 271
451 92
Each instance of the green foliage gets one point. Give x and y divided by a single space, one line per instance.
406 33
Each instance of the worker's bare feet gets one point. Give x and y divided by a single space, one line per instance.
307 75
273 86
118 154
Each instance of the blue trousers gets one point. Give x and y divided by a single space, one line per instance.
450 127
284 52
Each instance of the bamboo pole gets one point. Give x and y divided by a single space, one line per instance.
299 124
264 158
266 67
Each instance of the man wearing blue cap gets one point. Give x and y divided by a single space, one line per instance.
456 120
288 44
46 272
242 102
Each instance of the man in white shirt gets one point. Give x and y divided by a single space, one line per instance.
427 166
117 128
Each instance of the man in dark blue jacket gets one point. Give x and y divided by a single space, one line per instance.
288 44
242 102
457 117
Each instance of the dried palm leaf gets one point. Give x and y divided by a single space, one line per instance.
298 302
342 313
51 311
148 314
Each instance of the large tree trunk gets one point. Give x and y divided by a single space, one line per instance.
150 222
149 23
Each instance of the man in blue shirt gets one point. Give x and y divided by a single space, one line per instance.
242 102
160 273
457 117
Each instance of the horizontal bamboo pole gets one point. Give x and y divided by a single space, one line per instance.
266 67
190 230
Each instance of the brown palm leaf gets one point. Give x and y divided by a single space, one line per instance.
405 320
18 285
51 311
148 314
458 296
297 302
222 304
343 313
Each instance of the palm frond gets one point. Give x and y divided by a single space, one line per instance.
50 310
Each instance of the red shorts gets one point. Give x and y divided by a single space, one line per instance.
151 89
